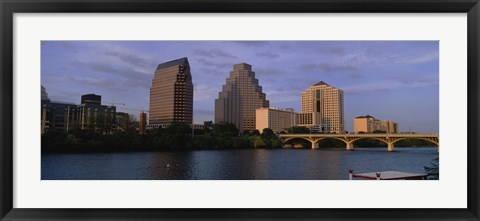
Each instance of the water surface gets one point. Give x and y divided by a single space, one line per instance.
262 164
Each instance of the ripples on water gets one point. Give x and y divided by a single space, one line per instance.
278 164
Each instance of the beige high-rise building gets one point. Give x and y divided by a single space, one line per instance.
240 97
274 118
171 93
328 101
368 124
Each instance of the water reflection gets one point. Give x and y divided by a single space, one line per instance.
281 164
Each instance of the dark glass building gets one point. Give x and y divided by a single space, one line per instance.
62 116
91 99
171 93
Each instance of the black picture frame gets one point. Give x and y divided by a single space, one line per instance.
9 7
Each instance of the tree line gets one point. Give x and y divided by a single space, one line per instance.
178 136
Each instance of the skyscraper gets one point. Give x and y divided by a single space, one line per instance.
240 97
171 94
328 101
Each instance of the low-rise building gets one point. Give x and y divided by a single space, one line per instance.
276 119
63 116
55 116
280 119
390 126
312 121
94 116
368 124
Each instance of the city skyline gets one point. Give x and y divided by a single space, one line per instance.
388 80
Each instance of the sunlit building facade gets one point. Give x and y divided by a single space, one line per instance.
312 121
390 126
328 102
171 93
240 97
275 118
369 124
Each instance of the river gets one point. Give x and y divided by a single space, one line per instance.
260 164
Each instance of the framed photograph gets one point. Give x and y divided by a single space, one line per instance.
239 110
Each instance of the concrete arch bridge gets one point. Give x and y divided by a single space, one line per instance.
348 139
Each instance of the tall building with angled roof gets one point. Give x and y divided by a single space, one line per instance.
240 97
328 101
171 93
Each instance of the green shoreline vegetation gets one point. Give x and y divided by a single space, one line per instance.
179 137
176 137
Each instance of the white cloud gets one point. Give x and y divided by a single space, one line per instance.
416 59
385 86
204 92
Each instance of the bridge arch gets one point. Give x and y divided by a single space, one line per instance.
349 139
430 140
374 138
299 138
334 138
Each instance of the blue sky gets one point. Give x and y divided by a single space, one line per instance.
395 80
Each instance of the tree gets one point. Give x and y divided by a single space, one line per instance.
241 142
433 169
379 132
254 133
75 129
268 133
226 129
71 140
276 143
177 136
270 139
298 130
204 142
127 123
369 142
258 142
208 126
